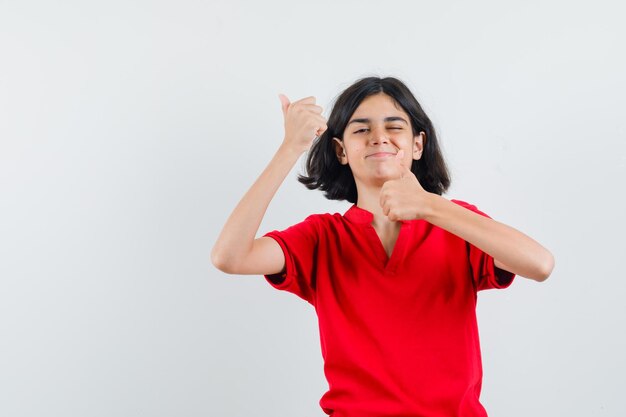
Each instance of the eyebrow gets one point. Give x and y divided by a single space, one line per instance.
387 119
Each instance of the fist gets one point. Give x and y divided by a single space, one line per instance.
303 122
404 198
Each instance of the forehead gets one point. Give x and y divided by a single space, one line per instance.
378 106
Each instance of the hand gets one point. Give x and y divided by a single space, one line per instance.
404 198
303 122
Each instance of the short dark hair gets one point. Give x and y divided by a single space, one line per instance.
322 166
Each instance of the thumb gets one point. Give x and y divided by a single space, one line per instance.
403 170
284 102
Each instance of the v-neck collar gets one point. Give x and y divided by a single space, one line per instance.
364 218
359 215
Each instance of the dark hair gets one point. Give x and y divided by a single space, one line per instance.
336 180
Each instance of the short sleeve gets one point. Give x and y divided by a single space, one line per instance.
484 272
299 245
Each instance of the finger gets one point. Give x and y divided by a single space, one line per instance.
306 100
402 169
314 108
284 102
320 130
318 125
382 198
385 208
320 120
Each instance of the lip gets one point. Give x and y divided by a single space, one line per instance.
381 155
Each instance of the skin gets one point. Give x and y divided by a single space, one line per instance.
386 187
365 137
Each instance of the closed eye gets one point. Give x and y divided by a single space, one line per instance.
366 129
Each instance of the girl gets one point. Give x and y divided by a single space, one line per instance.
393 280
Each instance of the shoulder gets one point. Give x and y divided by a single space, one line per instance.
469 206
324 219
318 221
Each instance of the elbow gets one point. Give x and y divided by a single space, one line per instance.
545 268
221 262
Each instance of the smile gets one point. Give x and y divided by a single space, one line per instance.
381 155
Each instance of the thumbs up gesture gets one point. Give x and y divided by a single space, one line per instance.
303 122
404 198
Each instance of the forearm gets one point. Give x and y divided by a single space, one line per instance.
519 253
239 231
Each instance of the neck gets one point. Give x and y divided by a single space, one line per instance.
369 199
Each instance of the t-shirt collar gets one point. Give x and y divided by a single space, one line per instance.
359 215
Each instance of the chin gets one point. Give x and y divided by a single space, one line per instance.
385 174
379 178
376 177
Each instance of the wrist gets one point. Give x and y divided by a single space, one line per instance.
290 150
434 202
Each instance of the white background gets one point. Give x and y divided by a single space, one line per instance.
129 130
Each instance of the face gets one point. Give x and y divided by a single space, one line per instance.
377 130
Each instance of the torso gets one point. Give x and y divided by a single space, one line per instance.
398 335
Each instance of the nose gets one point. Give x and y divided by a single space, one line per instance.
378 135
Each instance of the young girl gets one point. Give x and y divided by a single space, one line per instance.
393 280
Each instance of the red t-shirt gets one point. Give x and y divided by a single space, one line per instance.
398 334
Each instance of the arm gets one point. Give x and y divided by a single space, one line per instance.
236 250
511 249
405 199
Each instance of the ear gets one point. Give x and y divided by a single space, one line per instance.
340 151
418 145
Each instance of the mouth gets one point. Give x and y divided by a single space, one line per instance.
381 155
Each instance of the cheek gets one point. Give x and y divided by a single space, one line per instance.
353 148
409 143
